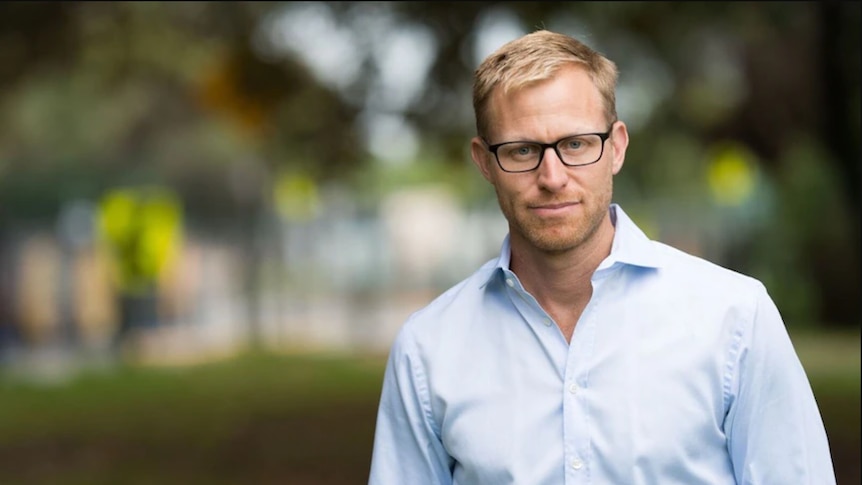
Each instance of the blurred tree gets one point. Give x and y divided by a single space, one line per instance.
165 92
770 75
101 94
155 92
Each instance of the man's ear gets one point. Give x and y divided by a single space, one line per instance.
482 158
620 141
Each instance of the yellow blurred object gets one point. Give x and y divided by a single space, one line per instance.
117 213
731 175
142 229
296 197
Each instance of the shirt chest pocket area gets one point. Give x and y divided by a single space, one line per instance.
500 435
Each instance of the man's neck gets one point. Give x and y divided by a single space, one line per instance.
561 281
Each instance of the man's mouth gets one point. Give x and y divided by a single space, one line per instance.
553 209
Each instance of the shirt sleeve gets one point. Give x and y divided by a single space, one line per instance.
774 428
407 447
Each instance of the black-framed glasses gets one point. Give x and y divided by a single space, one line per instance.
572 150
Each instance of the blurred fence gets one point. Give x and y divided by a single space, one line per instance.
342 281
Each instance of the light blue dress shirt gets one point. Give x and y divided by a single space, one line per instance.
679 372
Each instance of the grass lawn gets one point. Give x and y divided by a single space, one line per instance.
272 419
253 419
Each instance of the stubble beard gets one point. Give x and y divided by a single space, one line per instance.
564 235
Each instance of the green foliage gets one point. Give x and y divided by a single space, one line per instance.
381 179
194 96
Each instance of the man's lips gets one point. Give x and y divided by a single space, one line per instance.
553 208
557 205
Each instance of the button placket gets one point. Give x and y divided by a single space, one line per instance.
546 321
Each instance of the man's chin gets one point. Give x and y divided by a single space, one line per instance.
554 243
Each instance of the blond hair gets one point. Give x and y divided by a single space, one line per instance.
536 57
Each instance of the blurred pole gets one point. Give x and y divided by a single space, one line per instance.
839 28
247 183
75 232
841 90
8 326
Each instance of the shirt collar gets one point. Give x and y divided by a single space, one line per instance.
631 246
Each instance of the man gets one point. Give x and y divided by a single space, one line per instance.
587 353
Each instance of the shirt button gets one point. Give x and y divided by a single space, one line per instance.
573 388
577 464
510 282
547 322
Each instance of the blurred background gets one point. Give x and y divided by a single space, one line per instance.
214 216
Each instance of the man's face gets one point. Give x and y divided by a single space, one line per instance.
554 208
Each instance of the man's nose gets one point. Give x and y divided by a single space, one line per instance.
552 173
